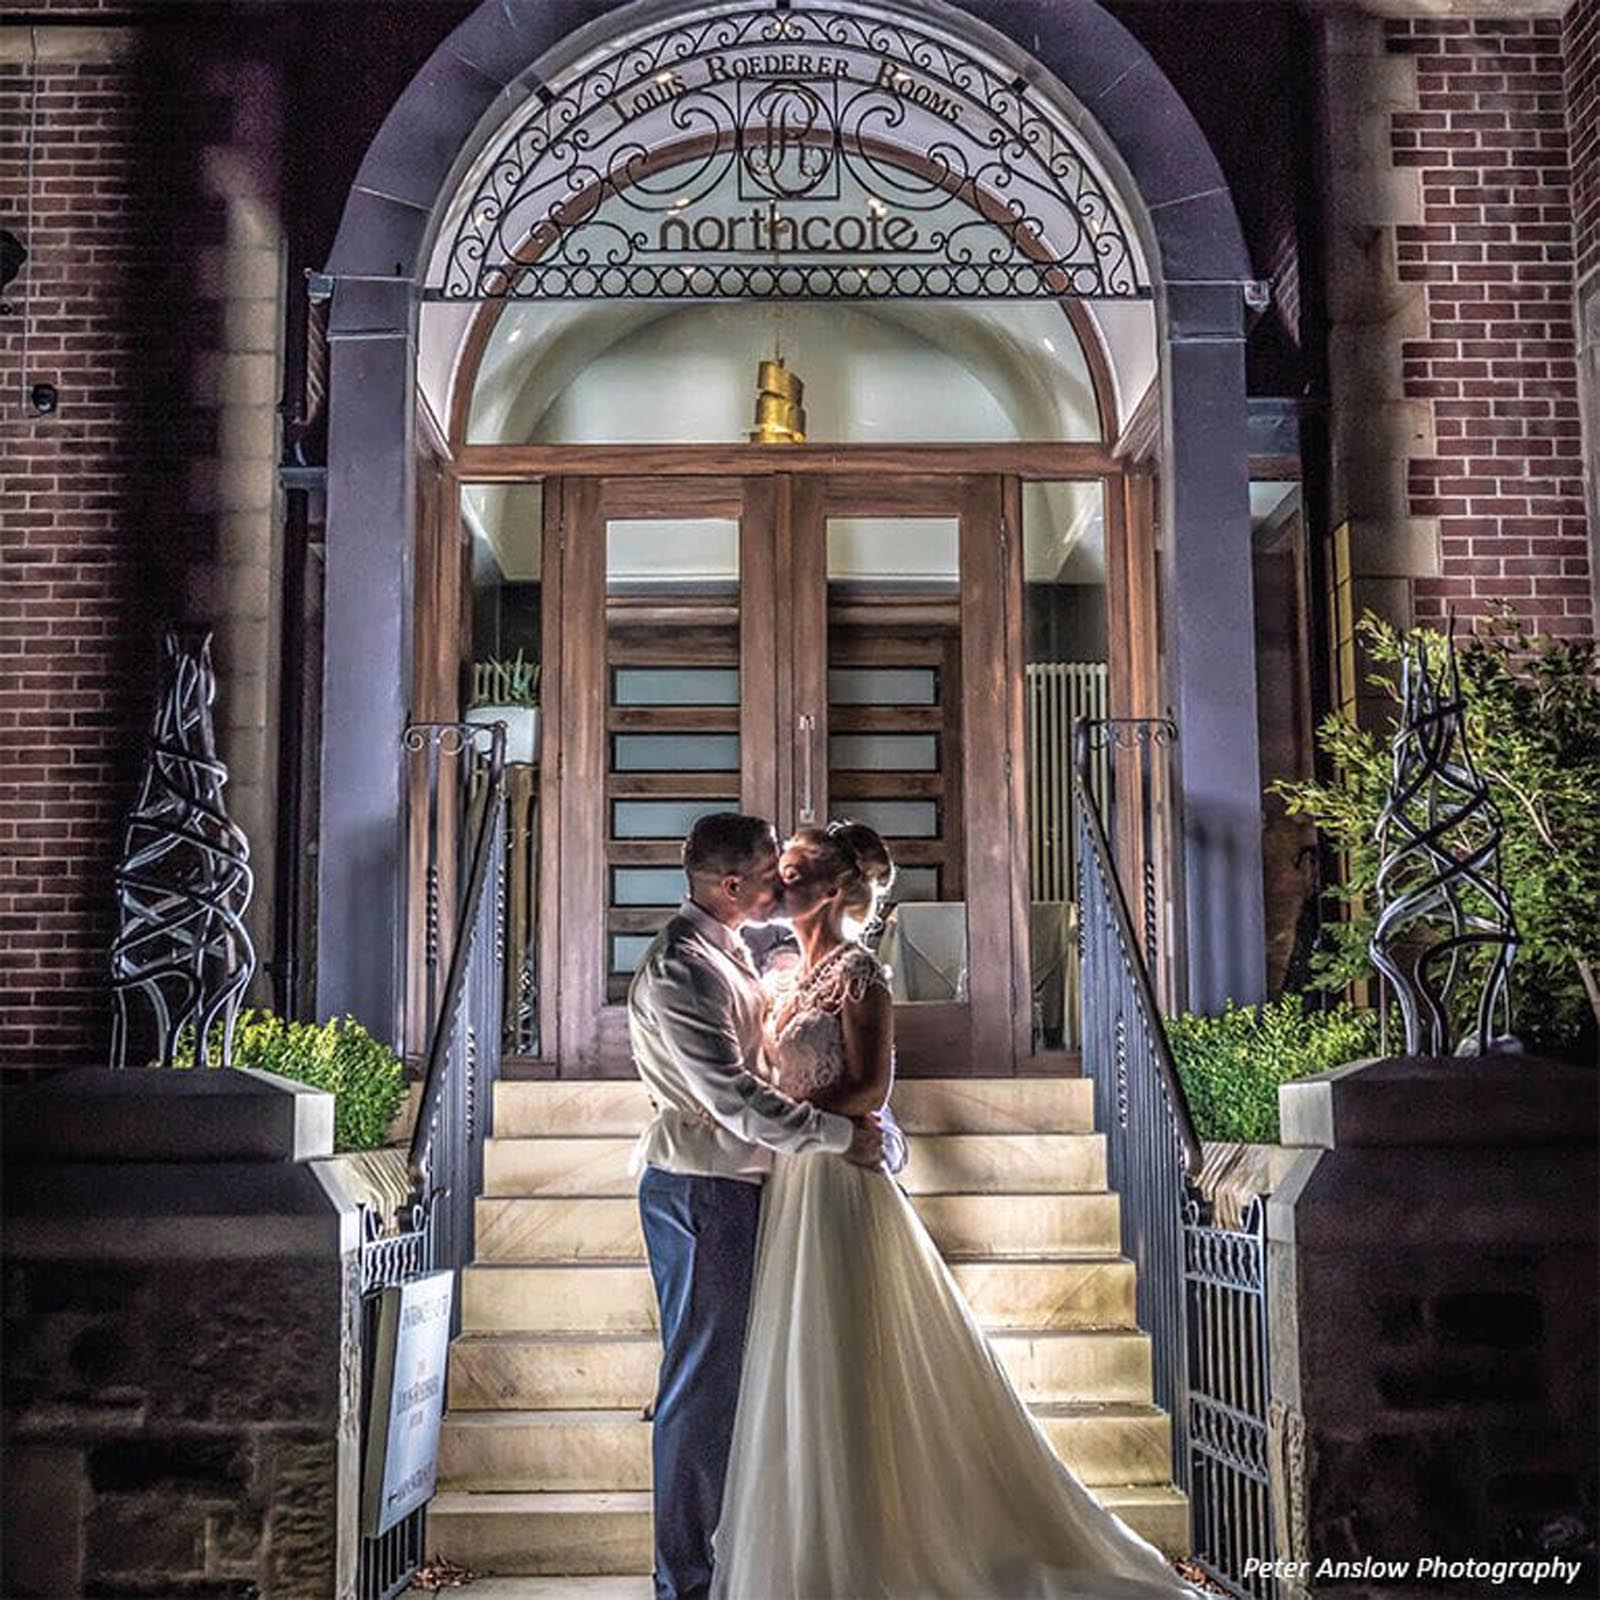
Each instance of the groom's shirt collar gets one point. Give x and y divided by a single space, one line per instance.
718 933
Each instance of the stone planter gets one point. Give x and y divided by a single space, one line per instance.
1232 1175
181 1336
522 729
1432 1316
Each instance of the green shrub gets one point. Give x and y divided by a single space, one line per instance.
1231 1065
364 1076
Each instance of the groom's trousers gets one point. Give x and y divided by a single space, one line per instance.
700 1234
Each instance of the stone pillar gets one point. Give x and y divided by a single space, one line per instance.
1432 1314
1376 428
181 1339
1210 625
1588 320
366 671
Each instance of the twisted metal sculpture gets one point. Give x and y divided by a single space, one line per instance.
184 881
1439 839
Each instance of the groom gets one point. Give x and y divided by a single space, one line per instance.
694 1019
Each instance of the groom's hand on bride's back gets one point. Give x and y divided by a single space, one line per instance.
866 1144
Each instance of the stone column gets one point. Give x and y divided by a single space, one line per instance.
1375 429
366 672
1208 601
1432 1314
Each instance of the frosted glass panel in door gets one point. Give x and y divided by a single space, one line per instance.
675 752
894 720
672 712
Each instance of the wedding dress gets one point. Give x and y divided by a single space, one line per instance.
879 1449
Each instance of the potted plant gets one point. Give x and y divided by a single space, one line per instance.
508 692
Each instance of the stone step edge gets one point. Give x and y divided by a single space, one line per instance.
602 1416
959 1258
626 1502
568 1195
652 1337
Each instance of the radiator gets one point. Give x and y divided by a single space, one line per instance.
1059 694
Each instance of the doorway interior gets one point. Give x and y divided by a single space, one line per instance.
898 632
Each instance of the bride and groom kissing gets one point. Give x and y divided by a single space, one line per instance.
830 1420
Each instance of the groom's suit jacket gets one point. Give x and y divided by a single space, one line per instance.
694 1021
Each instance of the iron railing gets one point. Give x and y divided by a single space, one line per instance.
455 782
1151 1145
1201 1289
1230 1488
457 772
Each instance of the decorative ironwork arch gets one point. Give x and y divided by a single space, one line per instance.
869 158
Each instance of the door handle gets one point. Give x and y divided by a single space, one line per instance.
808 729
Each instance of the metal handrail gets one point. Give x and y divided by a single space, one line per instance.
1094 827
484 859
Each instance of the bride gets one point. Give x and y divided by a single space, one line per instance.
879 1449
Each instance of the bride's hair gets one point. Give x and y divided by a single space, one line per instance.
863 866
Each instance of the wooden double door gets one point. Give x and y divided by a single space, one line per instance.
801 646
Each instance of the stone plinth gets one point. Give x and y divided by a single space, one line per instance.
181 1305
1431 1261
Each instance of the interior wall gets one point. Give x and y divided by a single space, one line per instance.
598 373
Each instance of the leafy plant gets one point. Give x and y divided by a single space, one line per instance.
1230 1066
505 683
1532 713
364 1076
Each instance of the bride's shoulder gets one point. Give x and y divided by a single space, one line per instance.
862 972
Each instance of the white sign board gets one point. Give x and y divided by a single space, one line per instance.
407 1401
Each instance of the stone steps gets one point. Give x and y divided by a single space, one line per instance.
941 1163
590 1371
588 1534
619 1108
627 1586
609 1450
545 1229
1087 1291
545 1461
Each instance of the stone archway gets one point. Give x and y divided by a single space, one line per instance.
1141 129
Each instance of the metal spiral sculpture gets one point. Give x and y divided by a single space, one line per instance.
1439 840
184 881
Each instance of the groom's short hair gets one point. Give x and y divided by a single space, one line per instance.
725 843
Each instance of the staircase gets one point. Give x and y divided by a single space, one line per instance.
544 1465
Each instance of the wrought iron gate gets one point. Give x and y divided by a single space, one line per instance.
385 1564
1225 1305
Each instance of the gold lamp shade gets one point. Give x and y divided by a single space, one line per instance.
780 418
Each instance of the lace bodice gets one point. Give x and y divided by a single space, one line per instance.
805 1038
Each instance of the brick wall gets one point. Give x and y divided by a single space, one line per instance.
146 497
1497 365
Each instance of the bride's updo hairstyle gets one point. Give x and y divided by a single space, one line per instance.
864 869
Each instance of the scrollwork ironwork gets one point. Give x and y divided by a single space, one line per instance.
970 184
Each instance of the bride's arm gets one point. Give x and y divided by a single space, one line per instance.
867 1024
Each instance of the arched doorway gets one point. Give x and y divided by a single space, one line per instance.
760 155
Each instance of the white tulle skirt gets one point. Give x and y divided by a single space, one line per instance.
880 1451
